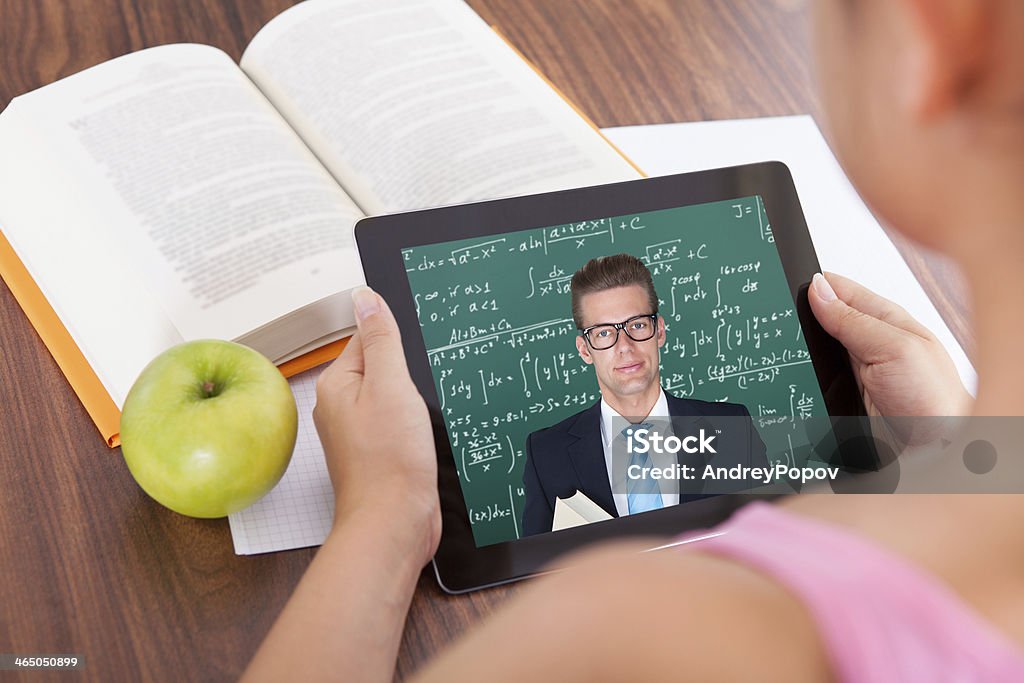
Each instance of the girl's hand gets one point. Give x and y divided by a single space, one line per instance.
376 434
902 369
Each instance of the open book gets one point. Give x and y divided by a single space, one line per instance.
170 194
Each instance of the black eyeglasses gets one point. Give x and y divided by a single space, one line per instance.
605 335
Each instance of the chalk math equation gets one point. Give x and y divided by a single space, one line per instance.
496 321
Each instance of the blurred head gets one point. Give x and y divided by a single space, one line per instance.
615 290
925 109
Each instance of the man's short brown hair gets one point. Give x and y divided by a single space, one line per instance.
608 272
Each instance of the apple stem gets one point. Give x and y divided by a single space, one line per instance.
208 387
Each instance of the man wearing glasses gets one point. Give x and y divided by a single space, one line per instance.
615 309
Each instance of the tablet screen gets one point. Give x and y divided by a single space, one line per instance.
503 347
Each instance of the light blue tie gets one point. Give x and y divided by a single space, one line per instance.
641 494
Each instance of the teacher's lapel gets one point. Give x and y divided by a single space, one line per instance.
586 454
686 422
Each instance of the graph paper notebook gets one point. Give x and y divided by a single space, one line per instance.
298 512
171 194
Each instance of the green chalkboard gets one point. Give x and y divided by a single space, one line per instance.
496 322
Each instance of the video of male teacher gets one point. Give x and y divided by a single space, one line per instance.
613 367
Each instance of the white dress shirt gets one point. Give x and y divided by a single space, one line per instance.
669 487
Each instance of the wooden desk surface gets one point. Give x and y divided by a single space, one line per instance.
89 564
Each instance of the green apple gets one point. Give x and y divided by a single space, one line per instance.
208 427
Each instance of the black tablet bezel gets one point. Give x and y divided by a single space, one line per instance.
459 564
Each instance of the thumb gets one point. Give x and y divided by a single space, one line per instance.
867 338
378 333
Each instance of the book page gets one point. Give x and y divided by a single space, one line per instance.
417 103
181 168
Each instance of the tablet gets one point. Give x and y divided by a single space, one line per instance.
483 296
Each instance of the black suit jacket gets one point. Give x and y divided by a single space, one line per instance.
569 457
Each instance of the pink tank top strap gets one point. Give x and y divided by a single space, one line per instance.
880 617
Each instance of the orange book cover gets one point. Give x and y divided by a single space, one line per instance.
80 375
